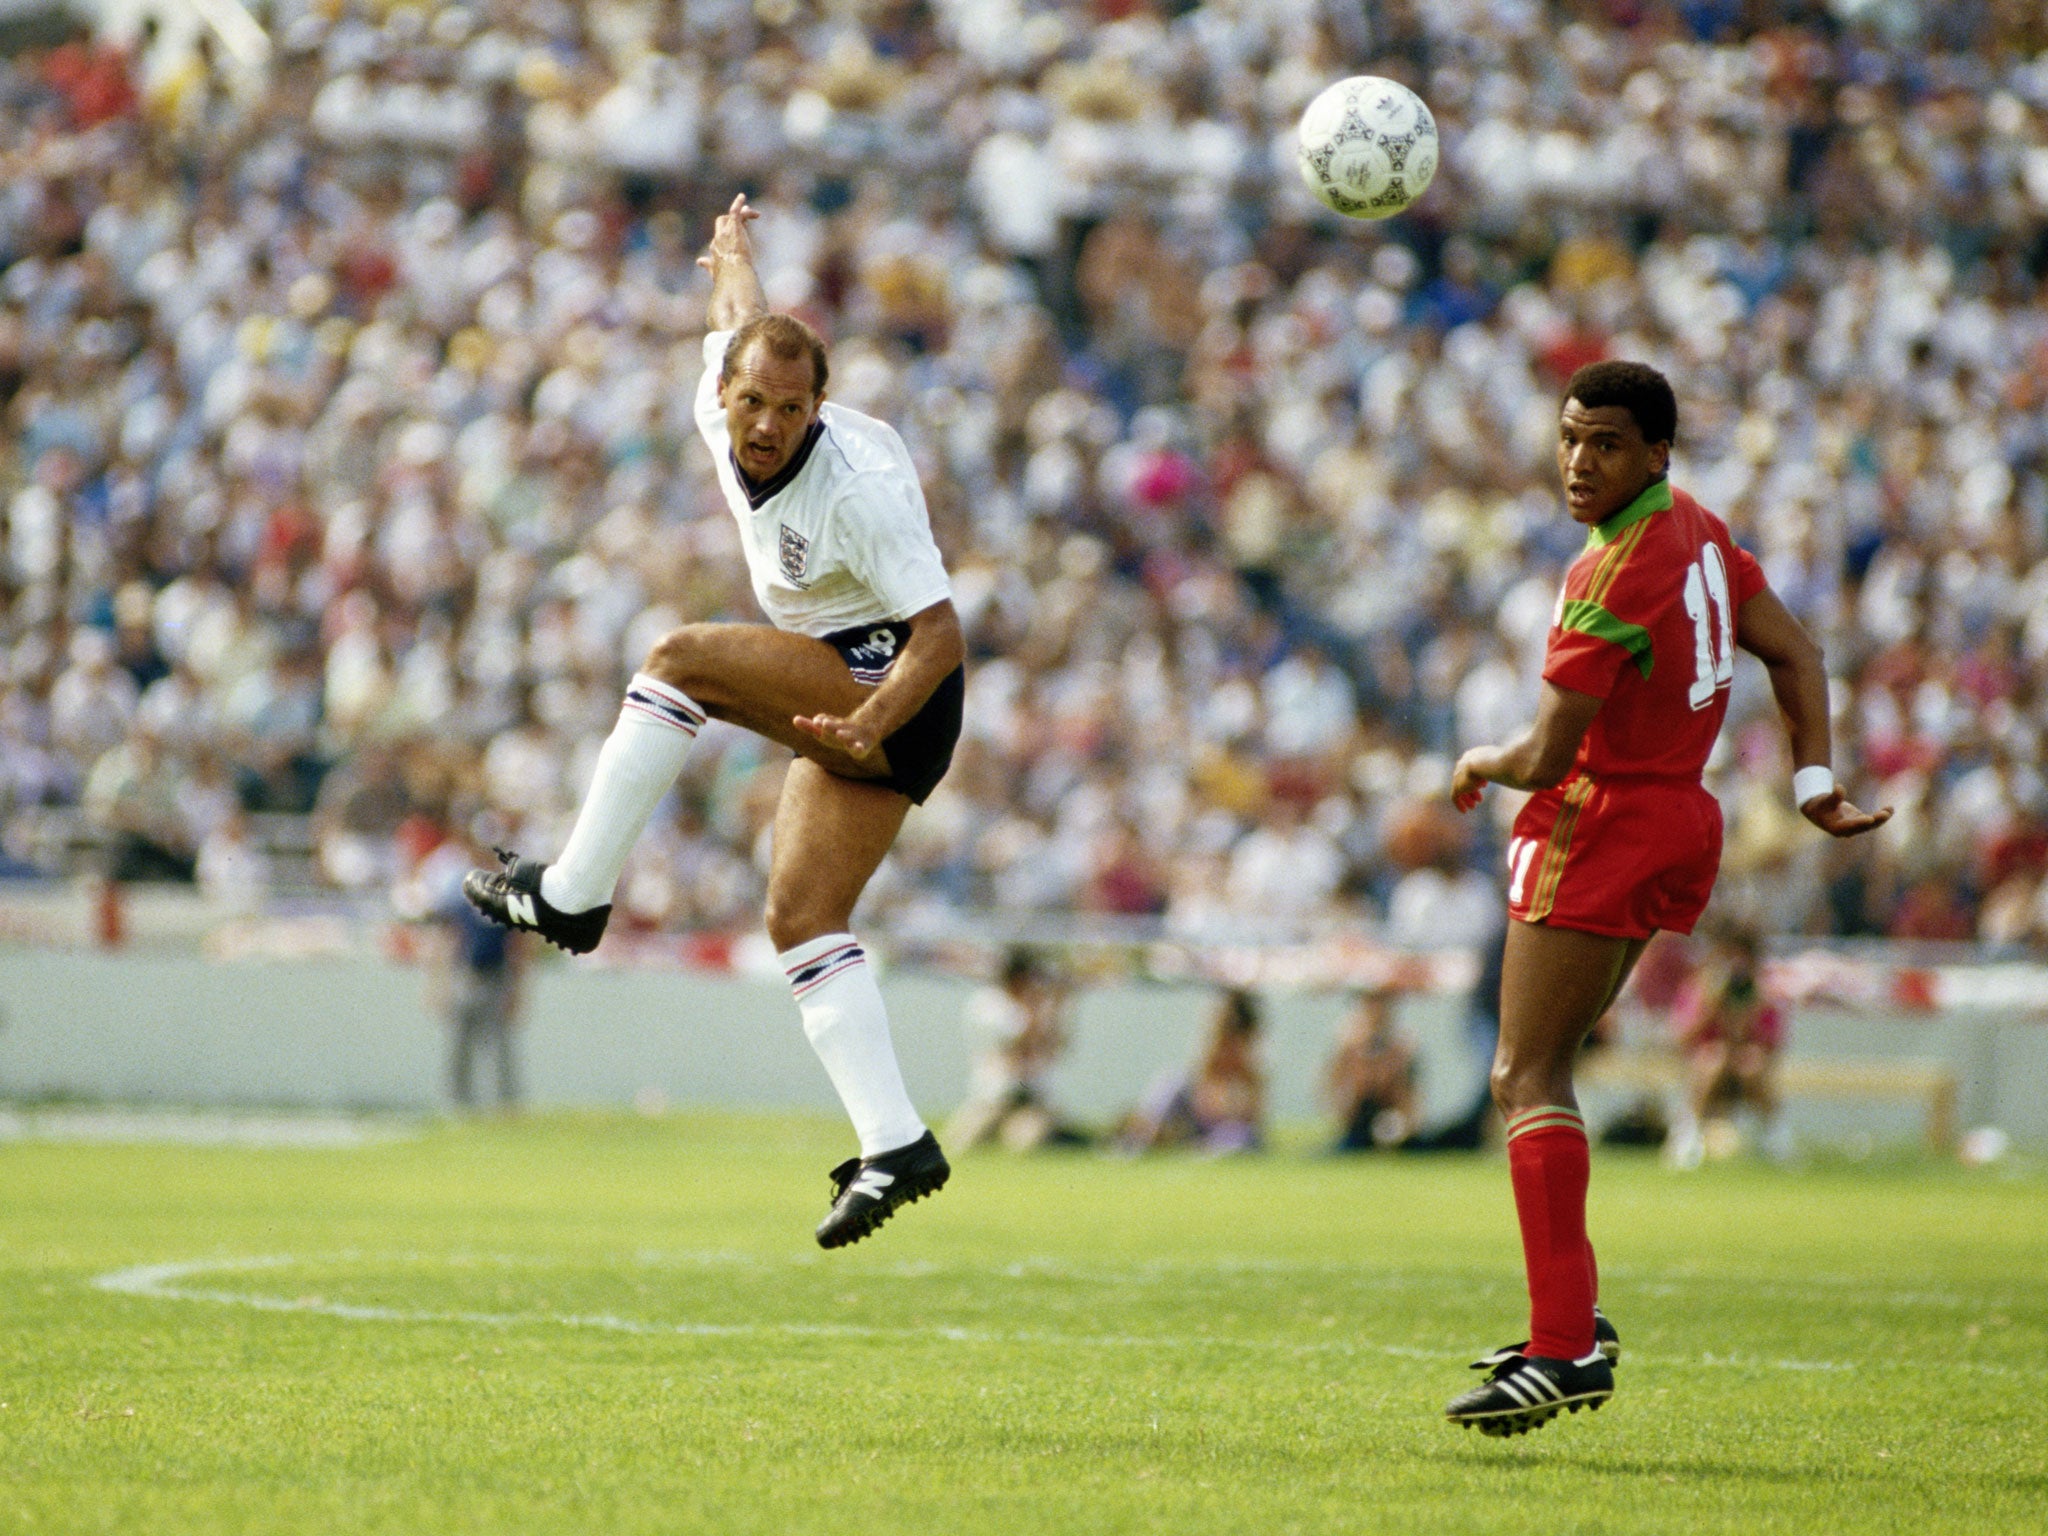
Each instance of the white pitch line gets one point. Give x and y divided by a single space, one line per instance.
161 1282
158 1282
201 1128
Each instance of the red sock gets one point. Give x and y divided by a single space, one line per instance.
1549 1161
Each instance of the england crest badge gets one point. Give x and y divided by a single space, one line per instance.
795 551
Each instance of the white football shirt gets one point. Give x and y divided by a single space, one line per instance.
846 539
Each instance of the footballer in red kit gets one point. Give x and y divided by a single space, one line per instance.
1619 837
1630 842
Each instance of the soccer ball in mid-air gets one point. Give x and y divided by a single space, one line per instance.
1367 147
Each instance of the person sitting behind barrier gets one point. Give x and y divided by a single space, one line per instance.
1019 1028
1370 1080
1221 1106
136 799
1730 1033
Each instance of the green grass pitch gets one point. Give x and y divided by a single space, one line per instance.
617 1325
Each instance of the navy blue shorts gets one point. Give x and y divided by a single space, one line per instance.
921 750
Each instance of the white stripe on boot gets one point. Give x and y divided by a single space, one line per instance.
849 1029
635 767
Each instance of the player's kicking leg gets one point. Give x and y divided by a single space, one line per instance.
749 674
1556 982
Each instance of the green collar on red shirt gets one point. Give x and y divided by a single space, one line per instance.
1655 497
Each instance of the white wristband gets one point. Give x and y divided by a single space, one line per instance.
1810 784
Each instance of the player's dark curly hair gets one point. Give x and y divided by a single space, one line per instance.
1636 387
785 337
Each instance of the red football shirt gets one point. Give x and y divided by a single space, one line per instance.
1646 621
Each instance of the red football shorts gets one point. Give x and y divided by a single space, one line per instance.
1618 856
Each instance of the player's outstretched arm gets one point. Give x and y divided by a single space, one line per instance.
935 647
1766 628
1540 757
736 295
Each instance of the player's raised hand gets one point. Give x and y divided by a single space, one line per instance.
1834 815
729 238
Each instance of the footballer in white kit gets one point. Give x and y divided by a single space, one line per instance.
862 676
839 536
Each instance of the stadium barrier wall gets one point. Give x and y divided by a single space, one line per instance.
357 1032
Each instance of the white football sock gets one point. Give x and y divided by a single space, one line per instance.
849 1029
635 767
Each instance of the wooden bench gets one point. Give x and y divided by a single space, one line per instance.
1932 1083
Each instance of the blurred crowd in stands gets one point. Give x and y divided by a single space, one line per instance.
348 465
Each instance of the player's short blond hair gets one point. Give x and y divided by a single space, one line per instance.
785 337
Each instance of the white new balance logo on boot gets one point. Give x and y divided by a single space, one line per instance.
519 906
872 1182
